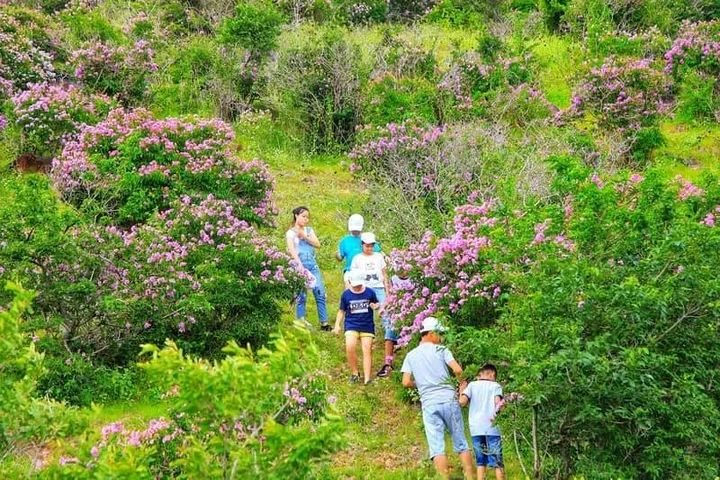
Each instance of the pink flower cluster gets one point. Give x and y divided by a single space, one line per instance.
624 93
688 189
178 148
711 217
115 70
48 112
134 438
697 45
22 61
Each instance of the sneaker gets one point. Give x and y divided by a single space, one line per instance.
325 327
384 371
304 323
354 378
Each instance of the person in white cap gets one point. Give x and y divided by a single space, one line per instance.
356 309
350 244
426 367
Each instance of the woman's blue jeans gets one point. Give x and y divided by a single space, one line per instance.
318 291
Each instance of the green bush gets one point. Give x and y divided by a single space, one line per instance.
696 97
393 99
317 89
250 414
455 13
73 379
602 304
255 26
24 417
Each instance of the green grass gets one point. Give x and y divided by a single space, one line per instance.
690 149
557 58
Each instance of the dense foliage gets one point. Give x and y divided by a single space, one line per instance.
603 310
490 141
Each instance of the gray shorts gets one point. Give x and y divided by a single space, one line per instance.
439 418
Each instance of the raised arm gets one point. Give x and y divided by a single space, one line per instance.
312 239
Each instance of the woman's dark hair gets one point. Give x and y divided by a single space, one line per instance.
297 211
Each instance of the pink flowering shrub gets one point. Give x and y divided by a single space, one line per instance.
613 281
469 80
697 47
197 272
26 51
118 71
132 165
628 96
48 113
624 94
224 418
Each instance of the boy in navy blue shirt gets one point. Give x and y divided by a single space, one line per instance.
356 309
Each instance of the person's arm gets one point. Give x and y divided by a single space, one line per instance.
311 238
289 240
339 255
464 395
386 280
338 319
407 380
456 368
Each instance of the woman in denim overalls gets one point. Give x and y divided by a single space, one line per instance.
301 244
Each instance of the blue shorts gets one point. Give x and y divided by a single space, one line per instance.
439 418
488 451
390 333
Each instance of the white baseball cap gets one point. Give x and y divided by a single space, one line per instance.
357 278
431 324
355 223
368 237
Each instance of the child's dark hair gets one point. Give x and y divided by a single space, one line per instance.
297 211
488 367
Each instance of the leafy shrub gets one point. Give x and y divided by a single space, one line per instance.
553 12
120 72
319 87
47 113
408 10
454 13
602 306
132 165
696 97
25 417
393 99
91 26
78 382
238 417
255 26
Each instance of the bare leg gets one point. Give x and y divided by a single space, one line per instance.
500 473
367 356
467 464
481 473
441 466
351 350
389 347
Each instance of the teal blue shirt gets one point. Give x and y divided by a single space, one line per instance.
349 246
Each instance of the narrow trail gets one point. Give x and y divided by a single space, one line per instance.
385 436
